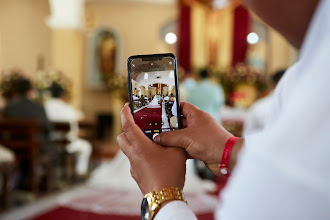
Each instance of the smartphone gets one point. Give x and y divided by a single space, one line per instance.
153 90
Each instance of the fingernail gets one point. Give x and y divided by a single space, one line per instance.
157 139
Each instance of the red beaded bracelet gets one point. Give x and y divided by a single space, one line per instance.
226 155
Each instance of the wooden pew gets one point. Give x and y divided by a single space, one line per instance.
23 137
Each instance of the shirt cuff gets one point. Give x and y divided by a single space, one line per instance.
175 210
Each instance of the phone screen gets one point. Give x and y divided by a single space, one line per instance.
154 93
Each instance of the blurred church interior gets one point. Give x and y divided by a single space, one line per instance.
73 54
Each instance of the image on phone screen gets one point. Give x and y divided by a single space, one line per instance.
154 100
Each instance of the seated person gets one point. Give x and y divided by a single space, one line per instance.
146 100
142 100
21 105
60 111
172 98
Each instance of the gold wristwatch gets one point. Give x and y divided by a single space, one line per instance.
152 201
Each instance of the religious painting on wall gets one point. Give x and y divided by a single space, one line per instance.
106 54
103 58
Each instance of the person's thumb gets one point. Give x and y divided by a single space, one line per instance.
178 138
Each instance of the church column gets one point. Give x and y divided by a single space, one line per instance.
67 42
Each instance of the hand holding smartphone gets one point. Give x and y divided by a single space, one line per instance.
154 92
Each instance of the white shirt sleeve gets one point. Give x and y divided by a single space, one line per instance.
176 210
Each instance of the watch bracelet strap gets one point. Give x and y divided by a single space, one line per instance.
166 194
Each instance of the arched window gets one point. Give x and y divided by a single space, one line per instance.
146 76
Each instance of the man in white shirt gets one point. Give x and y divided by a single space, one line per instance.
281 172
58 110
166 98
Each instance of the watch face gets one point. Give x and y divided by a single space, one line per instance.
145 214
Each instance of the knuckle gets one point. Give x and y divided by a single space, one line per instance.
194 114
198 112
120 140
120 137
125 126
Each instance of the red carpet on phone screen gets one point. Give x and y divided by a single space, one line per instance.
149 117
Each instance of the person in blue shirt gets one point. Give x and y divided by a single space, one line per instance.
207 95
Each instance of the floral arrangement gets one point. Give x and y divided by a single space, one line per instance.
45 80
242 73
239 76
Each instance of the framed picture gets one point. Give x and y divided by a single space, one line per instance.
104 55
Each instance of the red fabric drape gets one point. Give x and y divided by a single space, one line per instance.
241 30
184 49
